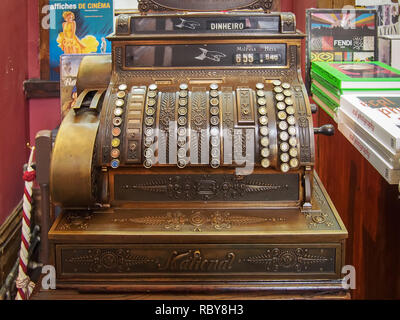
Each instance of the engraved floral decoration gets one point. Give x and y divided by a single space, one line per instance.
206 188
76 221
292 260
106 260
198 220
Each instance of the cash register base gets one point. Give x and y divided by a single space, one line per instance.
189 250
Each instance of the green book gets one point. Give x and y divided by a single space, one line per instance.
324 107
358 75
322 96
328 86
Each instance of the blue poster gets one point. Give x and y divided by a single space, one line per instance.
78 27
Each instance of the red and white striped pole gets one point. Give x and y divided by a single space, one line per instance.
23 283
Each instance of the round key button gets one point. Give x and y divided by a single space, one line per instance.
117 121
148 164
115 153
121 94
282 115
290 110
265 152
287 93
153 87
262 101
215 152
286 85
284 147
264 131
151 102
278 89
215 141
214 93
285 167
182 111
291 120
293 141
149 121
215 163
292 130
284 136
183 102
183 94
181 163
181 141
214 120
283 125
280 97
182 121
260 93
150 111
151 94
264 142
293 152
118 111
276 82
214 111
262 111
289 101
148 141
263 120
214 131
115 142
213 86
214 101
182 132
260 86
148 153
285 157
281 106
149 132
119 102
265 163
115 164
294 163
182 153
116 131
183 86
123 87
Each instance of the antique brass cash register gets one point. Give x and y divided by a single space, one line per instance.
186 162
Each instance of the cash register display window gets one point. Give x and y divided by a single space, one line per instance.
207 55
206 24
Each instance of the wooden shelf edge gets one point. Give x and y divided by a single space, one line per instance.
36 88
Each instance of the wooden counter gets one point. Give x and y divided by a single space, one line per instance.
370 210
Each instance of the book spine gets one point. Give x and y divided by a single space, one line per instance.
329 102
324 107
335 91
371 126
392 158
326 92
326 75
385 170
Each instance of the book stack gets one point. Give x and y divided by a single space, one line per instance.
371 122
332 80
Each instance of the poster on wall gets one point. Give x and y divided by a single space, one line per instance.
388 19
78 27
340 35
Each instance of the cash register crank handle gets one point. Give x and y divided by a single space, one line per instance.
326 130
